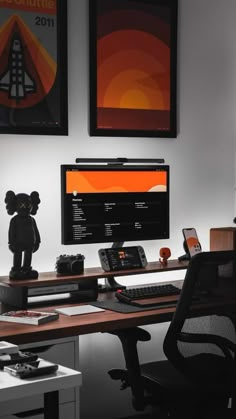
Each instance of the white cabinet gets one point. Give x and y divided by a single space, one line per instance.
61 351
40 416
67 411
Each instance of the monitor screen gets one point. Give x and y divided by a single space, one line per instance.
107 203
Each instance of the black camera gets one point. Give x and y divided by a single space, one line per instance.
70 265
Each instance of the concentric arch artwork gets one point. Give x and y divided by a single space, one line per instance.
33 67
133 68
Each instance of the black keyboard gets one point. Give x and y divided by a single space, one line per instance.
128 295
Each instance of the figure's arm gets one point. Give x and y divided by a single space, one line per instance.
12 235
37 235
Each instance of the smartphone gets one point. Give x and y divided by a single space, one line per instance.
192 243
31 369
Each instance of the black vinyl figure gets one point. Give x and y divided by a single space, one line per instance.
23 233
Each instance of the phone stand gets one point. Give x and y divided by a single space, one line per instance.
186 256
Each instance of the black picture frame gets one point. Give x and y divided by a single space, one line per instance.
108 64
33 68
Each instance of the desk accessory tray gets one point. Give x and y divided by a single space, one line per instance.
17 358
31 369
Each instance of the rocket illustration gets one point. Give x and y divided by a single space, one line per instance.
15 80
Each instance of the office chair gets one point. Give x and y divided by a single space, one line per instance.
200 346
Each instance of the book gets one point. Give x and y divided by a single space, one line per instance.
77 310
28 317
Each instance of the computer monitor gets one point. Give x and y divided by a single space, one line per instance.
114 203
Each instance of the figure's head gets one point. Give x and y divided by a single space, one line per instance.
22 203
165 253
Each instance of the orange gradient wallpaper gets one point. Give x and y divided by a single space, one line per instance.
95 182
134 65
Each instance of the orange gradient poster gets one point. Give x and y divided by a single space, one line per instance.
30 81
133 69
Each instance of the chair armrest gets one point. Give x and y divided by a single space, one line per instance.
224 344
133 333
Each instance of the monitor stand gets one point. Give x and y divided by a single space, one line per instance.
110 283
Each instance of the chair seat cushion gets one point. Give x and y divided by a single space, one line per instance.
202 368
163 373
209 368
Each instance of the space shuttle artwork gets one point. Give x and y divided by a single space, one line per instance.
33 67
16 80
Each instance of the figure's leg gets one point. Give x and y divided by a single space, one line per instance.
27 260
15 271
17 258
27 270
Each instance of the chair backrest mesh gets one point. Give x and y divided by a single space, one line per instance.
210 283
218 325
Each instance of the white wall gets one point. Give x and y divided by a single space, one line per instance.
201 157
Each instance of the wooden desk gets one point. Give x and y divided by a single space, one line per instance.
105 321
91 323
71 327
67 326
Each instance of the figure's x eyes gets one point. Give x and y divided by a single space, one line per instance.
24 205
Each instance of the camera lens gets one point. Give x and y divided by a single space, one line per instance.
77 266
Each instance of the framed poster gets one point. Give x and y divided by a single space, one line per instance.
33 67
133 68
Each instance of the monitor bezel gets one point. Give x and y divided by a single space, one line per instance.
107 168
